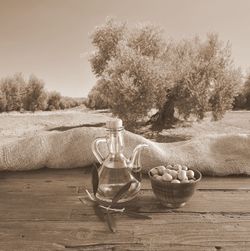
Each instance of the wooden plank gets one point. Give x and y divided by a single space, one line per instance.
225 183
59 207
216 183
81 176
46 181
176 230
45 173
58 200
42 246
40 210
77 186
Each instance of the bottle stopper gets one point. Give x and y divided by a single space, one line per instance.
114 124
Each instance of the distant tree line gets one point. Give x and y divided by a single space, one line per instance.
242 100
139 71
18 94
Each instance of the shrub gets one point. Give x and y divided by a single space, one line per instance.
3 101
54 99
17 94
68 102
13 90
36 97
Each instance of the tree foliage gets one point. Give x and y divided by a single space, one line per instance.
204 76
98 98
105 38
246 92
18 94
128 75
36 97
242 100
131 77
138 70
54 99
12 92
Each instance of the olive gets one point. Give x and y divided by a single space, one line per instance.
175 181
190 174
182 175
167 177
185 168
153 171
173 173
161 169
169 167
177 167
157 177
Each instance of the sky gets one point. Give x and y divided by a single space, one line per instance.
50 38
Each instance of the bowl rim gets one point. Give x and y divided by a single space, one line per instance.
165 182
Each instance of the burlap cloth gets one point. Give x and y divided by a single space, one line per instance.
212 155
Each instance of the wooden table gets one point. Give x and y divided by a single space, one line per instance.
41 210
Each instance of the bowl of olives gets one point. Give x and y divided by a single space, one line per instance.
174 185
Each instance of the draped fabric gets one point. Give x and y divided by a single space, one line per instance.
218 155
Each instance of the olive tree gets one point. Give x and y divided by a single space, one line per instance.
54 99
243 99
98 96
36 97
105 38
3 101
130 71
139 71
130 78
204 79
13 90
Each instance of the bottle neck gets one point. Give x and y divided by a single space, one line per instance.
115 141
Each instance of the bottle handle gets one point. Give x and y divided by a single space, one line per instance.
95 148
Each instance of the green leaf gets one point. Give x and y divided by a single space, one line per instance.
121 193
95 178
111 222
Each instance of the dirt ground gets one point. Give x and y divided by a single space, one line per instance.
234 122
16 125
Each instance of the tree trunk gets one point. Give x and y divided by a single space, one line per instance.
164 118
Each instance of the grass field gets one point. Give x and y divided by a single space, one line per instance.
15 125
234 122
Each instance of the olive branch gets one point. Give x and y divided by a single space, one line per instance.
102 210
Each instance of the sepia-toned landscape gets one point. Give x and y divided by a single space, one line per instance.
15 125
124 125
